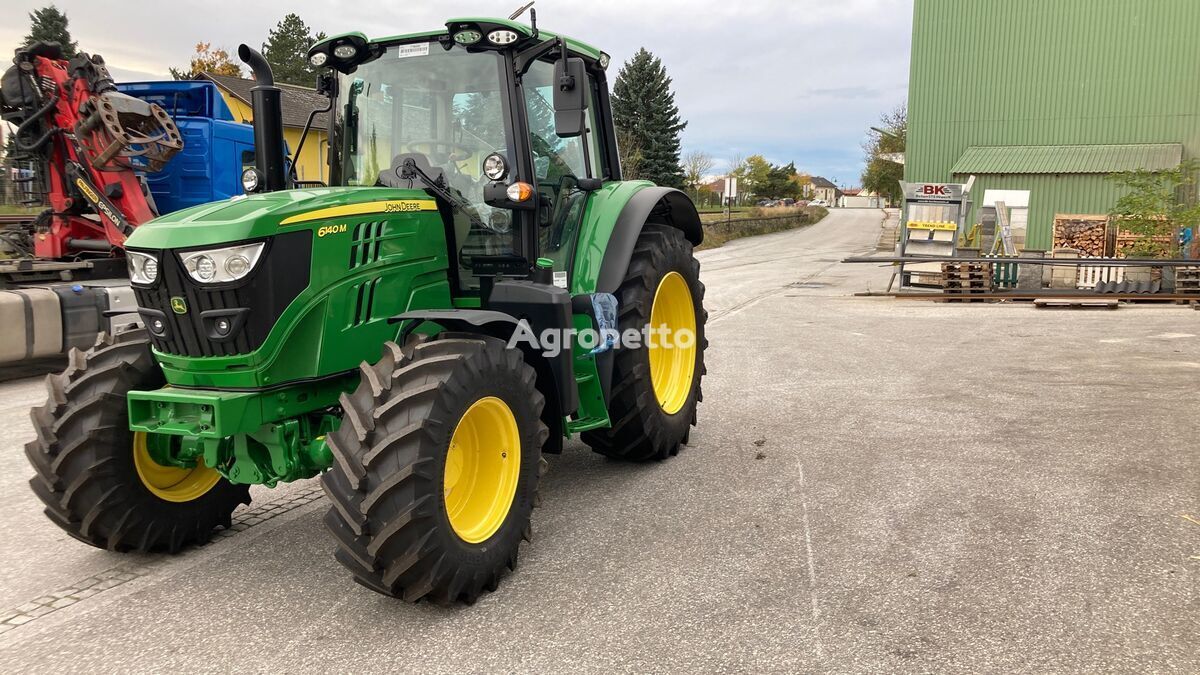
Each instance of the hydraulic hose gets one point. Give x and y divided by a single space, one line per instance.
33 119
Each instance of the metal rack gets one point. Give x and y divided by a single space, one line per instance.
933 216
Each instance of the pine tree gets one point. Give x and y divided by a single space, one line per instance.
286 49
644 110
49 24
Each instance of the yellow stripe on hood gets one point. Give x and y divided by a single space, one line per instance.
365 208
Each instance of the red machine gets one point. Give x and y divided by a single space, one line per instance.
90 142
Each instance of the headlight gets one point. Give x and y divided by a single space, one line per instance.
317 60
251 180
345 51
143 267
494 166
502 37
222 265
204 267
467 37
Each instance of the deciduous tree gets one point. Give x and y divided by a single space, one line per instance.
208 60
756 172
1156 205
696 165
882 175
629 152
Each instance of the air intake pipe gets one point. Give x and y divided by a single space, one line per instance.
268 121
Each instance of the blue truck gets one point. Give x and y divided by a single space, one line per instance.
216 147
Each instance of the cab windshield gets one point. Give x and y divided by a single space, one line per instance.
443 109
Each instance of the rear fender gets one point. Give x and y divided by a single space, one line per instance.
612 226
613 223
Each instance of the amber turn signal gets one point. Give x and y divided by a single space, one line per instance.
520 192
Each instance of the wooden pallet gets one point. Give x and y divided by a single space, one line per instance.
1076 303
1187 280
948 267
962 281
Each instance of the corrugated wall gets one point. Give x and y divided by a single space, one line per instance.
1050 194
1050 72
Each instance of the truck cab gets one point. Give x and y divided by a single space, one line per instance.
216 147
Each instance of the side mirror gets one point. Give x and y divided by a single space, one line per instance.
570 85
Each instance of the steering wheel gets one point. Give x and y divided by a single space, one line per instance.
415 146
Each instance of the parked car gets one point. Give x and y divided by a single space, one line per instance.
819 202
787 201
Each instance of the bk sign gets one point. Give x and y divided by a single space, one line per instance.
935 192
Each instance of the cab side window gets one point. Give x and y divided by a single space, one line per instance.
558 161
554 157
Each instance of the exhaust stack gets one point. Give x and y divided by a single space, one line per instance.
268 121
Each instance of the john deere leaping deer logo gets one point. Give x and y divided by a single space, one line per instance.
178 304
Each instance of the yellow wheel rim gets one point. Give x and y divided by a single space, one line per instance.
171 483
673 351
483 464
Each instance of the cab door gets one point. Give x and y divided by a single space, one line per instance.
559 164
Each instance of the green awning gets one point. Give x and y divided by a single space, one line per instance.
1029 159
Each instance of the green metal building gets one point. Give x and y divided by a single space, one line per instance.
1052 96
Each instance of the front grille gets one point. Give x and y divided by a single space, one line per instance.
281 274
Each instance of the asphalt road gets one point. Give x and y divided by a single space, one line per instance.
875 485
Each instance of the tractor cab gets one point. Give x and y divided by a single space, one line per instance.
505 125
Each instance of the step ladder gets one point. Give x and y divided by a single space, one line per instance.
1004 243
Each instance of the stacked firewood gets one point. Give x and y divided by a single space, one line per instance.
1086 234
1131 244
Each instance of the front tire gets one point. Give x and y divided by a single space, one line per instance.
97 478
436 467
655 390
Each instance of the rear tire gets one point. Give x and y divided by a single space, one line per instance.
649 424
87 472
398 528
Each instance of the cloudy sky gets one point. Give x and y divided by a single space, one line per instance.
793 80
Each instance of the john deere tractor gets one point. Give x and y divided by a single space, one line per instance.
377 332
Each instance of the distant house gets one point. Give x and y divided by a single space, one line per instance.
856 198
298 102
823 188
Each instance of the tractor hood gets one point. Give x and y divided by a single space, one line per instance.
263 215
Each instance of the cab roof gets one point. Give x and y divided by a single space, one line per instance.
580 48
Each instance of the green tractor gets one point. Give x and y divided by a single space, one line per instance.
414 332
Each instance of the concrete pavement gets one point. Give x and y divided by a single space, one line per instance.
874 485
